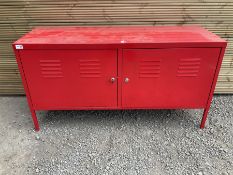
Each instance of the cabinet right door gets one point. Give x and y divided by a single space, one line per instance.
168 78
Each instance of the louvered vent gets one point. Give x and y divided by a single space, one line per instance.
51 68
149 68
189 67
90 68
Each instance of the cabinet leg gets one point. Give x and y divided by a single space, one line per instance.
35 121
206 110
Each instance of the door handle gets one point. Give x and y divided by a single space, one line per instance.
113 79
126 80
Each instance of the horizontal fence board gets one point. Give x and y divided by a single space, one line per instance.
20 16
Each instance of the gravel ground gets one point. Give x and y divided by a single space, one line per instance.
116 142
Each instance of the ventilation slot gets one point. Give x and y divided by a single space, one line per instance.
51 68
189 67
90 68
149 69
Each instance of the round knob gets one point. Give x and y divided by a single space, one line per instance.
113 79
126 80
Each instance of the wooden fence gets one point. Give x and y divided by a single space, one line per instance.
19 16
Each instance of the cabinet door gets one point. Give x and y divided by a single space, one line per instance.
71 79
168 78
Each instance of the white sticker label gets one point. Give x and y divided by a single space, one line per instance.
19 46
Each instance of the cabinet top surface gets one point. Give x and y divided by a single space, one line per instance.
119 35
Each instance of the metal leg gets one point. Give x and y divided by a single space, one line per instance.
35 121
204 117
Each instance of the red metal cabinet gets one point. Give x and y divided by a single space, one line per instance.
119 68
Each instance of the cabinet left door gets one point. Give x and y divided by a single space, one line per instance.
71 79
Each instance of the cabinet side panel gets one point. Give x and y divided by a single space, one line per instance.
25 84
22 74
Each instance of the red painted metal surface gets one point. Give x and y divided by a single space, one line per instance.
62 79
33 112
119 68
120 35
168 78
